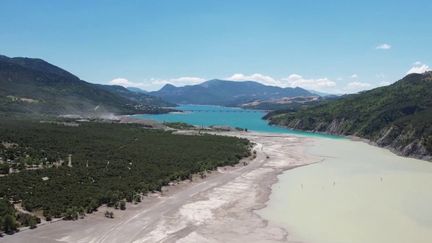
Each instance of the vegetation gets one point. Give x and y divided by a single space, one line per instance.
10 219
109 214
399 115
226 93
7 217
179 125
288 104
30 85
110 163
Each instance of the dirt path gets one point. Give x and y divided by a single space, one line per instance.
219 208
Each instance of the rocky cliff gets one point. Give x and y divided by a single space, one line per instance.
398 116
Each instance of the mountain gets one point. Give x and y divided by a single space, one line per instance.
289 103
322 94
30 85
137 90
398 116
283 103
227 93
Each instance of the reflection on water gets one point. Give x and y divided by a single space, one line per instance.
359 194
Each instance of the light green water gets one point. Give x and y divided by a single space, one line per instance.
359 194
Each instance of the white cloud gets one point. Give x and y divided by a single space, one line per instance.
293 80
319 84
418 67
357 86
126 83
156 83
384 46
383 83
181 81
255 77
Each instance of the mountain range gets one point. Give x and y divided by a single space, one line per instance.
398 116
226 93
30 85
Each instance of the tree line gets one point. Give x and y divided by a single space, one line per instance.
111 163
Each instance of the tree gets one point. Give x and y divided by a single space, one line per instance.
122 205
137 168
70 214
109 214
137 198
32 223
81 212
92 206
47 214
9 224
4 169
129 197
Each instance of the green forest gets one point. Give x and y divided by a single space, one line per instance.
111 163
398 115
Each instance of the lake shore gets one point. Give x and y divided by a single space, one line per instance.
396 151
359 193
219 208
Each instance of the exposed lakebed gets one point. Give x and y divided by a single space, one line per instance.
359 193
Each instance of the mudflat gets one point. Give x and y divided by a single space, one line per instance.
219 208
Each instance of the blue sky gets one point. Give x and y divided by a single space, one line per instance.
333 46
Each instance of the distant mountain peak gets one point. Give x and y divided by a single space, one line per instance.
39 65
225 92
137 90
211 82
26 81
167 87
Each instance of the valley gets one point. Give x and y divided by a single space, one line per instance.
215 121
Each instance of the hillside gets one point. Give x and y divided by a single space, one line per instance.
227 93
398 116
29 85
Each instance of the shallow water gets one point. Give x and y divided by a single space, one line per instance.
359 194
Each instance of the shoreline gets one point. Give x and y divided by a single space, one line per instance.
365 140
220 208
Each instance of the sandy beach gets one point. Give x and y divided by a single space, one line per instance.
219 208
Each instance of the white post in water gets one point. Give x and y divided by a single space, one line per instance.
70 160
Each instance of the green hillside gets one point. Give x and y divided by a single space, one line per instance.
398 116
226 93
30 85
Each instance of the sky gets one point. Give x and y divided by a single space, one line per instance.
328 46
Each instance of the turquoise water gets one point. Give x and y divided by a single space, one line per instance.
359 193
206 115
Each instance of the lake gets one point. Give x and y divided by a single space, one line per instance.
358 194
207 115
